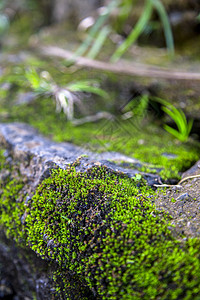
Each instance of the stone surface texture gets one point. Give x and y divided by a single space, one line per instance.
37 155
23 273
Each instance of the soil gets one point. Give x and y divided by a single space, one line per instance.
182 202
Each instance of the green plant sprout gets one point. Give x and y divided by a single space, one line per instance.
136 108
65 97
142 23
184 127
99 31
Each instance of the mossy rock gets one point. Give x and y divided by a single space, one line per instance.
100 232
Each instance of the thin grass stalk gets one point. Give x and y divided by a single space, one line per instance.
95 28
135 33
166 25
98 44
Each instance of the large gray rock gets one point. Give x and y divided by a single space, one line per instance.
37 155
88 231
23 273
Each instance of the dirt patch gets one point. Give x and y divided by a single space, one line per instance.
182 202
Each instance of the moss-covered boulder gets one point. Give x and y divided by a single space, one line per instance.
96 232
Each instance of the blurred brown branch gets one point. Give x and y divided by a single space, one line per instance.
122 67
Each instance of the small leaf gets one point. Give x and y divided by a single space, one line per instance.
84 86
33 78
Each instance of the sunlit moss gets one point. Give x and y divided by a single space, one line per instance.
104 230
11 205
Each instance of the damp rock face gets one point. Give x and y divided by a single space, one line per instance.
75 225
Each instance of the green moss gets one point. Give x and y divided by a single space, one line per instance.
12 209
2 159
135 137
11 204
106 230
104 233
148 143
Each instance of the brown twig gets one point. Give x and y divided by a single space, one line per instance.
179 183
122 67
188 177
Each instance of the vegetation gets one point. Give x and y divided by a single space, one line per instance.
104 229
131 132
11 208
99 32
101 228
183 127
65 98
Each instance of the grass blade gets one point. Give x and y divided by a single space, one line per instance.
99 42
85 86
95 28
189 126
33 77
175 133
137 30
166 25
176 116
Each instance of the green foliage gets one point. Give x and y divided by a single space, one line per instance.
135 33
166 25
105 230
89 86
147 143
137 108
42 84
11 207
64 97
183 127
96 41
131 133
38 83
93 36
179 118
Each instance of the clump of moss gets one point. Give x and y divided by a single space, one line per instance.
105 230
105 235
11 204
12 209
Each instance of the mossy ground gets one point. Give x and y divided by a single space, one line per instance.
140 137
12 205
105 231
143 139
